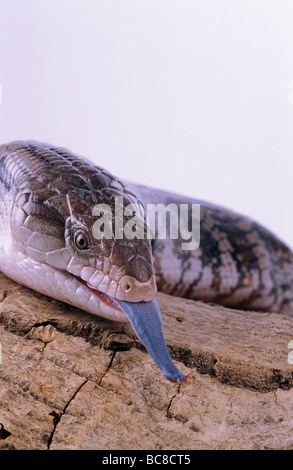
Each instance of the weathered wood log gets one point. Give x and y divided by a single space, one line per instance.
70 380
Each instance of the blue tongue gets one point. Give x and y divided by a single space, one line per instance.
145 319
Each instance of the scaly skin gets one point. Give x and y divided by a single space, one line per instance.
46 243
238 263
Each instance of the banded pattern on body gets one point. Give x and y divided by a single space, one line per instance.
238 264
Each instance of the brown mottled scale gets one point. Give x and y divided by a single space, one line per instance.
238 263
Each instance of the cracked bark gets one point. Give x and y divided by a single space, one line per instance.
69 380
59 416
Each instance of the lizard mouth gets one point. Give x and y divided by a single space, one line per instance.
104 298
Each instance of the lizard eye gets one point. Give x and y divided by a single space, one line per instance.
81 241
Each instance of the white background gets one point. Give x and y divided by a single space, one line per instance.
195 96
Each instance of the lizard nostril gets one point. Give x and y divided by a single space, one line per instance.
126 286
131 290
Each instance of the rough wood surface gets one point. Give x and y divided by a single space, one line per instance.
69 380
